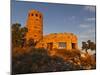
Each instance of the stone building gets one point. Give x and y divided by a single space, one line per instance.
51 41
59 41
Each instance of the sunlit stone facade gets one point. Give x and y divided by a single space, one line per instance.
59 41
35 25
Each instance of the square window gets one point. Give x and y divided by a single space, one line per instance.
62 45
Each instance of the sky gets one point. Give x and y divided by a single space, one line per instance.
78 19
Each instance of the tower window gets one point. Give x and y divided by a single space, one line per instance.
39 31
35 27
32 14
37 19
35 35
36 15
42 44
40 16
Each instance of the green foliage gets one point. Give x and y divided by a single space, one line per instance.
88 45
18 35
91 45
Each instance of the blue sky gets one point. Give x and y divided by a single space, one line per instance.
78 19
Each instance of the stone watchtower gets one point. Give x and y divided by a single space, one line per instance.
34 24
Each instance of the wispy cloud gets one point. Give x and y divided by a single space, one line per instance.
92 30
90 8
84 26
88 22
72 17
88 34
90 19
83 36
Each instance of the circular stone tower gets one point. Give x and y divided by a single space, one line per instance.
34 24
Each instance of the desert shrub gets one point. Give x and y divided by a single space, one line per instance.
38 61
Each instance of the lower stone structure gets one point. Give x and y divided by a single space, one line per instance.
66 41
